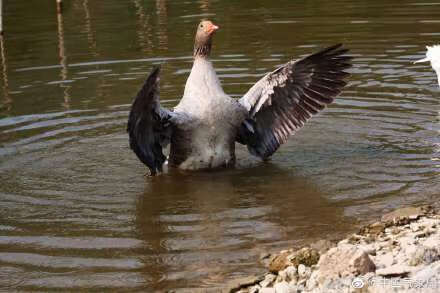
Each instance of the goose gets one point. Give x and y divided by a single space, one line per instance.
205 125
433 56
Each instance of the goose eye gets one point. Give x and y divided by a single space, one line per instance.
201 25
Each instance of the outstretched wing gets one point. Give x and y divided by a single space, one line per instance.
149 126
282 101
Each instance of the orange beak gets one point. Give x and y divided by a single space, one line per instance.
212 28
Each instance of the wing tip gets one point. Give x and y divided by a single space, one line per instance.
140 124
336 46
156 69
335 50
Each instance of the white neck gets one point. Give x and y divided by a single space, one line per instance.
203 81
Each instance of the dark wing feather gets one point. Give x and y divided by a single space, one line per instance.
283 100
148 124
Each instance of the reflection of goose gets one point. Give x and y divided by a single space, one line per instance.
200 224
205 125
63 59
433 55
7 99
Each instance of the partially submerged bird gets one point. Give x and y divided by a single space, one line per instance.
205 125
433 56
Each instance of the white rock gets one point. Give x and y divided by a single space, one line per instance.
410 250
343 262
342 242
282 275
308 272
386 238
301 270
395 270
386 260
254 289
302 283
425 255
291 272
432 223
312 282
268 280
369 249
432 242
293 287
430 272
381 245
414 227
388 256
282 287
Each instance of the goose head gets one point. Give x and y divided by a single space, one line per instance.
203 39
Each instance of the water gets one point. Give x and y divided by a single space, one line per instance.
76 212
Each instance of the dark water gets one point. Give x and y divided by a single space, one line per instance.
76 212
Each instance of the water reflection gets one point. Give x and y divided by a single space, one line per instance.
162 23
144 29
219 213
204 6
7 101
59 6
63 58
88 28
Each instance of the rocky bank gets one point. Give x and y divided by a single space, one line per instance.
399 253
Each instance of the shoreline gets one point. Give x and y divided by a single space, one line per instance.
398 253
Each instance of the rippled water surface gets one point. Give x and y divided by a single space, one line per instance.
76 212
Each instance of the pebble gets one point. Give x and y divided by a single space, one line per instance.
293 288
342 242
282 287
301 270
302 283
369 249
268 280
264 255
282 275
425 255
414 227
255 289
430 272
291 273
387 259
432 243
407 249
